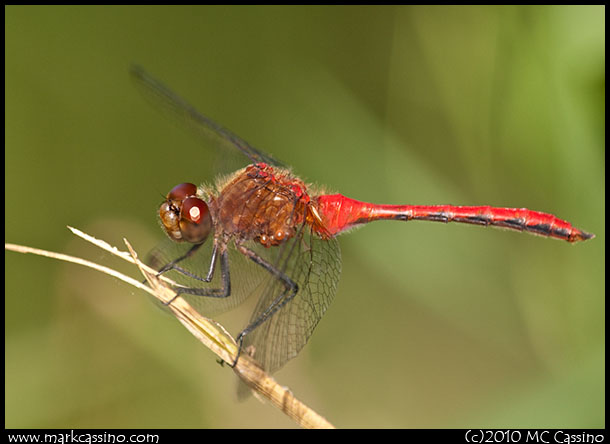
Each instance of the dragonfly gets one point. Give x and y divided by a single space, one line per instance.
263 231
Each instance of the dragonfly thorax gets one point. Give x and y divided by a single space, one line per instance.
262 203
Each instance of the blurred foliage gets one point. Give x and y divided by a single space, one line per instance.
433 325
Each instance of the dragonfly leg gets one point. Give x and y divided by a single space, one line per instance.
291 288
172 266
223 292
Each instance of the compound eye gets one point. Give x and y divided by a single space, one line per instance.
182 191
195 220
184 216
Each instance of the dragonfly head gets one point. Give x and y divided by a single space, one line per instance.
184 216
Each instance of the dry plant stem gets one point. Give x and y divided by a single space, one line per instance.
210 333
259 381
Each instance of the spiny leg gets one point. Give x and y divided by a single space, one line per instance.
223 292
173 267
290 290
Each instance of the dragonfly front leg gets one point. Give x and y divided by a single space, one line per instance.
223 292
173 267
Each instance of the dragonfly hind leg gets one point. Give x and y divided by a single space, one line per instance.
291 288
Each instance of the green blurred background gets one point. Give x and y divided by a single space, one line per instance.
433 325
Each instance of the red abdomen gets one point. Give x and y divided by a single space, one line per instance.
340 213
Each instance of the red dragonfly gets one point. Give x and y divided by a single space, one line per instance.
270 233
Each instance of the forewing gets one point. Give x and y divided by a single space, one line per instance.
203 127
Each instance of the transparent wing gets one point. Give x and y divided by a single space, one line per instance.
314 264
185 114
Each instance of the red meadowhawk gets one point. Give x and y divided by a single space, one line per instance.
263 231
